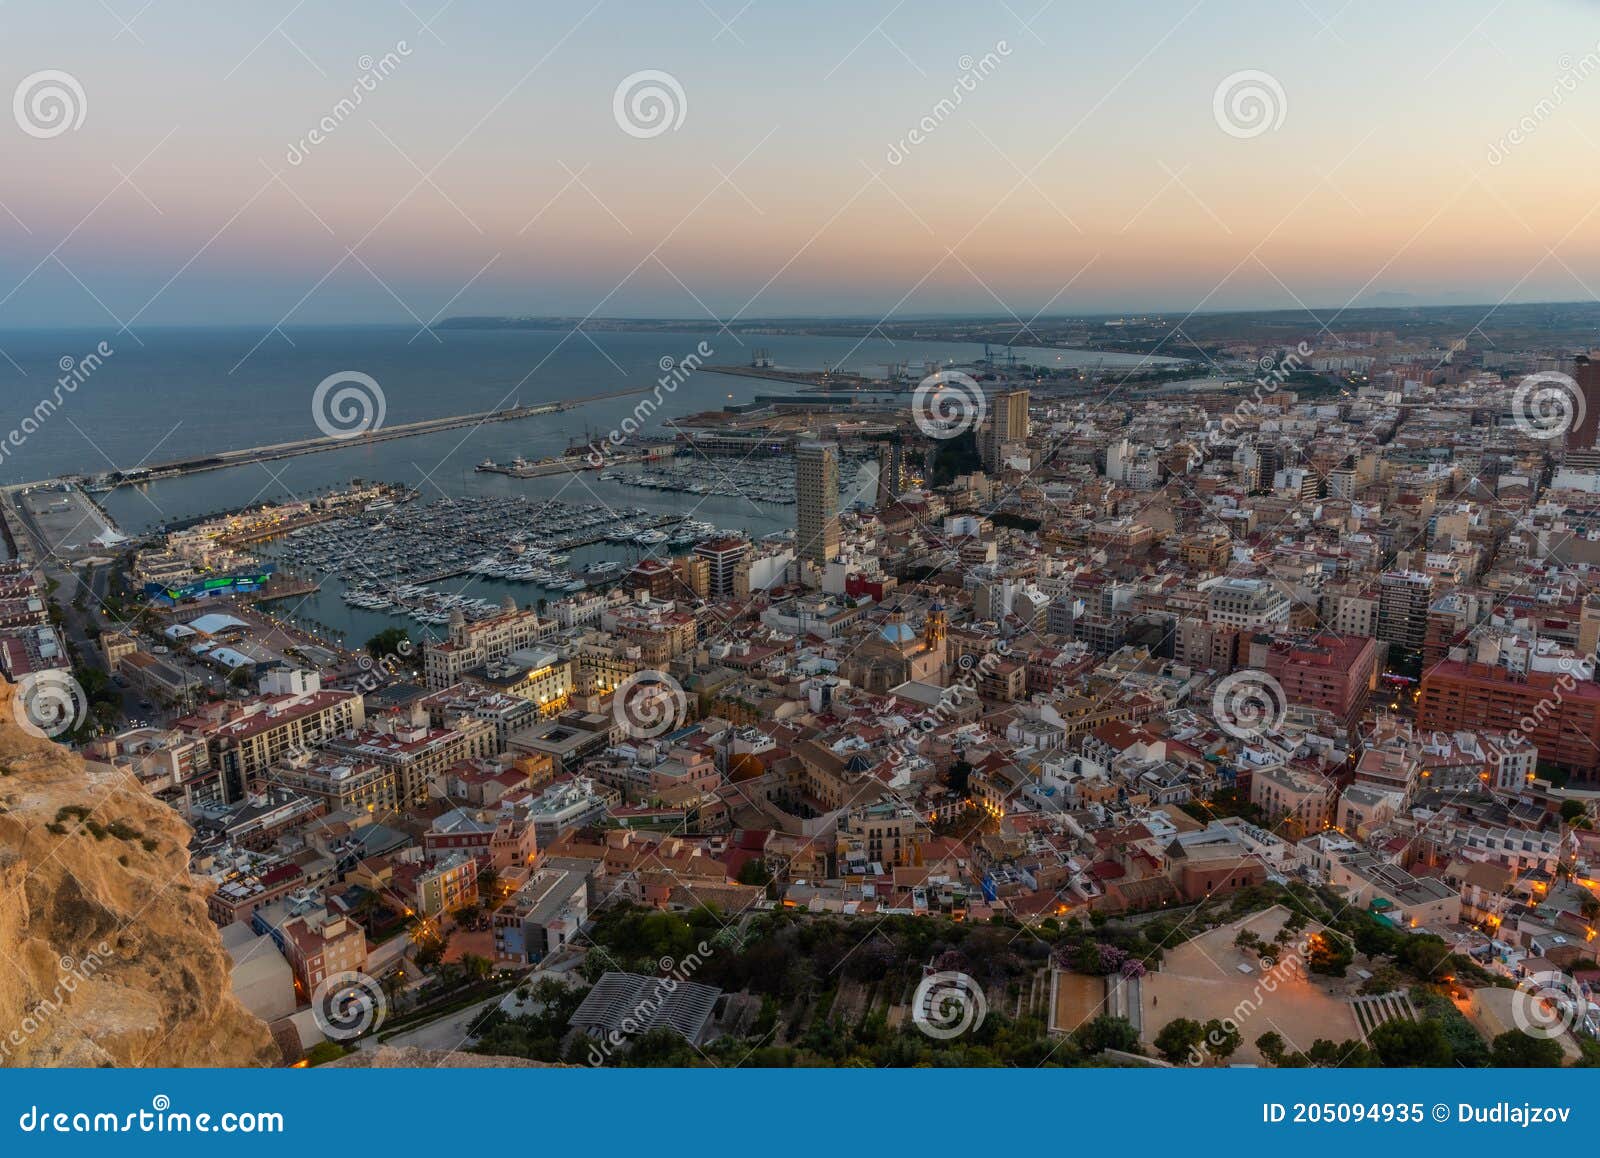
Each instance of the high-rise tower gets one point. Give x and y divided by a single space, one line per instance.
1587 376
890 473
816 493
1008 422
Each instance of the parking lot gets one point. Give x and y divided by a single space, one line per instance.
67 522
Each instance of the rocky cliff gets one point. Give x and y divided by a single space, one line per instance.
107 956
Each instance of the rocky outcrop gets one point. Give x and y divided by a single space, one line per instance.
107 956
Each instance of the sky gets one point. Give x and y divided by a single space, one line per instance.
865 158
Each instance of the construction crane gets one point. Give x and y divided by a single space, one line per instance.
1010 356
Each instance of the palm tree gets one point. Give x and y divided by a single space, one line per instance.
488 884
393 984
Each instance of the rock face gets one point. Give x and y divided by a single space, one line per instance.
390 1057
107 956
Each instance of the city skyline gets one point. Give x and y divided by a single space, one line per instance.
856 536
883 163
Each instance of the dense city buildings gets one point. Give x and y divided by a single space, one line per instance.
1560 717
474 644
727 568
1088 663
1327 672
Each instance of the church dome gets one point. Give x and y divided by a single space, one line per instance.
897 633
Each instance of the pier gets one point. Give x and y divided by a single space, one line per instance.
572 463
224 459
807 378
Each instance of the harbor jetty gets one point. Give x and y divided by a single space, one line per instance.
221 460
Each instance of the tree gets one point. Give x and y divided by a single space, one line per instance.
393 984
1374 938
1384 979
239 677
429 954
1178 1038
1426 955
957 777
1106 1032
1271 1046
1517 1050
489 885
1222 1038
1326 1054
1412 1043
1329 953
389 641
754 872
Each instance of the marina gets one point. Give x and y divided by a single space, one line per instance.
569 463
385 559
767 480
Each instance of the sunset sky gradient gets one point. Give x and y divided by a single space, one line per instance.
1087 173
